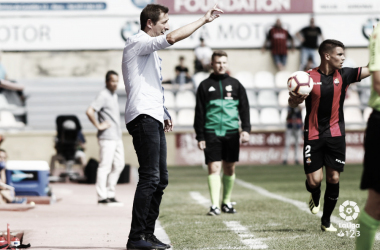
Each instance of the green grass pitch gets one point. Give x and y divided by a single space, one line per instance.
275 223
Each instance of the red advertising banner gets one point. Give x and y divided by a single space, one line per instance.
263 148
239 6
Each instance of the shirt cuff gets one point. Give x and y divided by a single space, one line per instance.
166 114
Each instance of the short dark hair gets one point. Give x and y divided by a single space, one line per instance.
109 73
3 150
328 45
152 12
218 53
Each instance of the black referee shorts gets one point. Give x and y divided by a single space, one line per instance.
224 148
329 151
371 173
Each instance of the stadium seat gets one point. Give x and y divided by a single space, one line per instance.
185 117
352 98
267 98
283 115
254 116
169 99
269 116
252 99
173 114
199 77
364 96
281 79
246 79
264 79
353 115
7 120
185 99
366 113
283 97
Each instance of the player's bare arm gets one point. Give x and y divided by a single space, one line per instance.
295 100
365 72
185 31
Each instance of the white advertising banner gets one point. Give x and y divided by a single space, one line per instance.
54 8
229 31
346 6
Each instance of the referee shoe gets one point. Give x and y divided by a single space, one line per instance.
228 208
143 244
214 211
313 208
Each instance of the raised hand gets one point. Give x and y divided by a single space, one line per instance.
211 16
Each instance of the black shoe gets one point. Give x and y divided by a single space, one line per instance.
214 211
228 208
140 244
103 202
152 239
114 203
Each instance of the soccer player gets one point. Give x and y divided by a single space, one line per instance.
369 218
324 132
221 99
146 117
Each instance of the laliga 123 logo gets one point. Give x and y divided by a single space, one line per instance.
349 210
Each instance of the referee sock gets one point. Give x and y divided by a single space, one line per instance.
331 198
214 187
368 228
228 185
315 193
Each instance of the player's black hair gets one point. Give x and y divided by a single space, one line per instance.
152 12
218 53
328 45
109 73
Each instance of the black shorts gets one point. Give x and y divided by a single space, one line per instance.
371 173
329 151
224 148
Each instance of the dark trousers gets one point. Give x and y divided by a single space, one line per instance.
150 145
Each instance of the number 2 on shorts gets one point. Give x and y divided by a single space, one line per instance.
307 151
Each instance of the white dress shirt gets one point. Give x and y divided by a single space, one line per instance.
141 68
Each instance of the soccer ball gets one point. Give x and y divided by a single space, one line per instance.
300 83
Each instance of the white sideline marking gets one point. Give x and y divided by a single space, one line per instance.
299 204
200 199
246 237
159 231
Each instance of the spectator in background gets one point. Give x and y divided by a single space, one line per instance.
7 194
293 131
181 72
109 136
4 82
309 39
278 37
203 55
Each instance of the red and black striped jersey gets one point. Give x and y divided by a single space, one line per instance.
324 105
278 38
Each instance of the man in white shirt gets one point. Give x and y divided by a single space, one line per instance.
146 117
203 55
110 140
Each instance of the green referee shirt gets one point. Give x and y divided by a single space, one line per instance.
374 65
